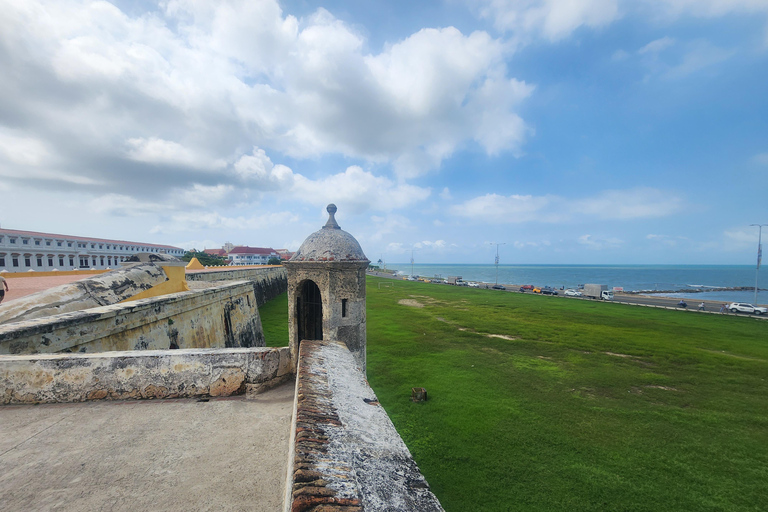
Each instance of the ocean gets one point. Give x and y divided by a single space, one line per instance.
670 279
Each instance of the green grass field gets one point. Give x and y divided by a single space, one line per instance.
545 403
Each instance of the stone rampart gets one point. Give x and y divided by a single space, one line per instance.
347 455
223 316
268 282
54 378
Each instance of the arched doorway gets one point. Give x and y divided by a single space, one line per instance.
309 312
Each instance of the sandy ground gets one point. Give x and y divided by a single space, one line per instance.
172 455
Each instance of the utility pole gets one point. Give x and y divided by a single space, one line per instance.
497 244
411 260
759 254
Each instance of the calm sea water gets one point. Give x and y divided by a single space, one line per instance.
630 277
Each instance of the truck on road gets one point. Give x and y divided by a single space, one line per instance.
598 291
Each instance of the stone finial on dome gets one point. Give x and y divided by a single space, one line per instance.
331 224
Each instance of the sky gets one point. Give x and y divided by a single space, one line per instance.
570 131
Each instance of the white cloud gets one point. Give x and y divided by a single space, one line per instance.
497 209
630 204
193 84
610 204
257 170
761 158
551 19
657 45
741 238
24 151
598 243
358 190
165 152
196 221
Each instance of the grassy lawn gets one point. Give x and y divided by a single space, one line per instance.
545 403
274 321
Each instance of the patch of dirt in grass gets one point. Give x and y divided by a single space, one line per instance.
411 302
627 356
502 336
665 388
724 353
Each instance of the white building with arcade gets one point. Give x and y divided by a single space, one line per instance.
22 251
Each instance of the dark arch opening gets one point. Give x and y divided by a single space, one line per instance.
309 312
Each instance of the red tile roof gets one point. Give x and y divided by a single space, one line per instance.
36 234
252 250
215 252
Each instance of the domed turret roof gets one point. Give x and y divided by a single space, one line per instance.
330 243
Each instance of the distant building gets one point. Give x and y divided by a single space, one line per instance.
284 254
21 251
216 252
244 255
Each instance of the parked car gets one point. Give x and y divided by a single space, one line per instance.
572 293
526 287
473 284
498 287
523 289
548 291
743 307
413 278
537 290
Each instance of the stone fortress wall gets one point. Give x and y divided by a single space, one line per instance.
345 453
224 316
268 282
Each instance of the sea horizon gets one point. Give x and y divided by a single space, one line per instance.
670 279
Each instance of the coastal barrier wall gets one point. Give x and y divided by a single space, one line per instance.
268 282
222 316
346 454
56 378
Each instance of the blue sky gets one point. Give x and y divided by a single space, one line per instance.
582 131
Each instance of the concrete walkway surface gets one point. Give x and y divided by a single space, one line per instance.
226 454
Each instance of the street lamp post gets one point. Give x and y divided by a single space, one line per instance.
759 254
497 244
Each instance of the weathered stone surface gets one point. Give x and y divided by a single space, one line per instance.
331 260
347 455
223 316
102 290
52 378
268 282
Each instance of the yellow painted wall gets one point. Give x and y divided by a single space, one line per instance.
177 282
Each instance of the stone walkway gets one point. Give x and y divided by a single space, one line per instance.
171 455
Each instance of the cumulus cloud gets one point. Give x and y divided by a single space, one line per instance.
166 152
358 190
190 87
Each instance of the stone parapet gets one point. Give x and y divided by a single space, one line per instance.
347 455
55 378
268 282
224 316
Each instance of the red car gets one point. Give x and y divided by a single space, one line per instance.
526 287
